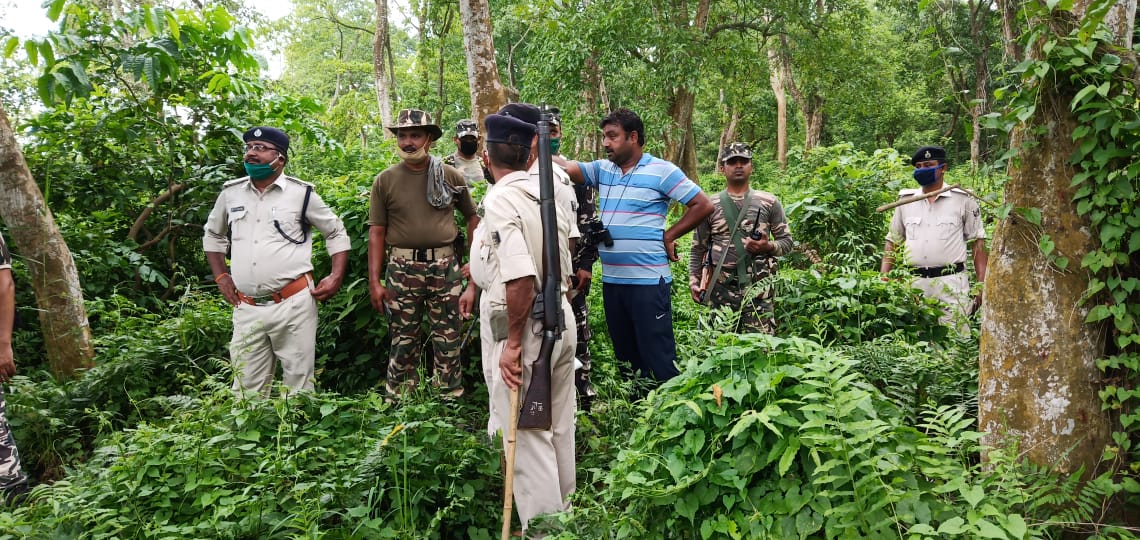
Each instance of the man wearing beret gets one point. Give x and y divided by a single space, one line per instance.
510 272
738 243
465 158
13 480
635 190
413 264
264 221
937 232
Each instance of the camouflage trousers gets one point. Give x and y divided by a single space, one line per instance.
756 312
11 474
424 288
581 309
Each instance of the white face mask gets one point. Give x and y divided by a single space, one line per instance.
415 158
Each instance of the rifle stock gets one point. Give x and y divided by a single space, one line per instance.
535 413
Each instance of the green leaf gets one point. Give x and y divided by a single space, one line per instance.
952 526
1046 244
789 456
973 495
1016 526
986 529
1077 99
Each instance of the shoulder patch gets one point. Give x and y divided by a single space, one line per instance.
298 181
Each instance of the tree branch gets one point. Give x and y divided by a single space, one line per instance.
150 207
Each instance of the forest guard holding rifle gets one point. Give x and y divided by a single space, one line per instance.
515 262
635 190
264 221
411 218
936 231
745 233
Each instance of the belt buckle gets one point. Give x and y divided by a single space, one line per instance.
421 255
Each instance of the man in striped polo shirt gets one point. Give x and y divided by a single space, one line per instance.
635 190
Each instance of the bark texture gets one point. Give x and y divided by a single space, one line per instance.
488 94
55 281
776 79
680 142
1038 379
380 53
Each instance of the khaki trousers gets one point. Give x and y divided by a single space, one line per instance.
265 335
544 460
954 293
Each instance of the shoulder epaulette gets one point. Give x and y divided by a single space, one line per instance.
908 192
234 182
298 181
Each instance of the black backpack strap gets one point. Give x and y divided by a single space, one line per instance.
305 225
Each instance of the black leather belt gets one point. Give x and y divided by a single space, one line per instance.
421 254
937 271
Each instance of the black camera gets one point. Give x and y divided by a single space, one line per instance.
594 233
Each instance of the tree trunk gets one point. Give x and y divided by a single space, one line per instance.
488 94
588 145
728 134
979 15
55 281
811 106
680 142
379 68
1038 378
1010 30
776 79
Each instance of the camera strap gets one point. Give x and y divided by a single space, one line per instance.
734 215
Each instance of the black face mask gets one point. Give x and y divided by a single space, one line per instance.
468 148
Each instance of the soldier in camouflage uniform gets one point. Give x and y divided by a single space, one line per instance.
13 481
466 157
412 226
585 255
743 222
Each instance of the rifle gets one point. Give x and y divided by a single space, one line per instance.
706 274
535 412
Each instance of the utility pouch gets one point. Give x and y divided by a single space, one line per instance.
499 325
538 311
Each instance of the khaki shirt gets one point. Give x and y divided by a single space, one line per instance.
713 232
513 234
936 233
262 261
399 202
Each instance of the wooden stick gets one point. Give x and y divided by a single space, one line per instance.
915 198
509 474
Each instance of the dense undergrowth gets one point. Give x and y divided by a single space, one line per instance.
858 422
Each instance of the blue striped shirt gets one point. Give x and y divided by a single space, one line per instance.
633 206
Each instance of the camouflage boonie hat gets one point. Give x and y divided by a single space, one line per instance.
466 128
736 149
410 118
555 115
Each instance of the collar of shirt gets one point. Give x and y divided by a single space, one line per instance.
514 176
280 183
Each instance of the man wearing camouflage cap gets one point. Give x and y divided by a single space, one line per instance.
937 231
466 158
412 228
737 245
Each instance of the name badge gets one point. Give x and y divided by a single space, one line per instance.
237 209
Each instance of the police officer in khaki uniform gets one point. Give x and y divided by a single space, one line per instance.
544 460
937 232
263 220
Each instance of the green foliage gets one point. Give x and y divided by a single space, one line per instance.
311 465
832 195
774 438
841 305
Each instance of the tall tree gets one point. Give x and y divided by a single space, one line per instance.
55 281
381 65
487 92
1039 381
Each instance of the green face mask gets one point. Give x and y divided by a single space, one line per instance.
259 171
555 144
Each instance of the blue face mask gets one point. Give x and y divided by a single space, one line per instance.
927 175
259 171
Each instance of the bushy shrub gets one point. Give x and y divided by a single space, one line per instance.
310 464
781 438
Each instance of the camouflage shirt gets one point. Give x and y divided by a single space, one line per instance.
712 233
472 169
585 255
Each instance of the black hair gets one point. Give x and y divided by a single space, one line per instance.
628 120
509 155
